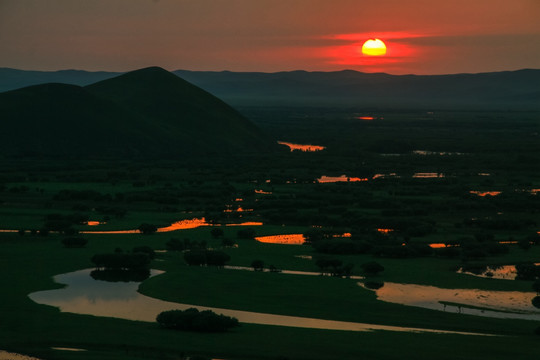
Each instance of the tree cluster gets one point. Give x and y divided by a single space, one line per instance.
186 244
527 271
199 257
120 261
334 267
195 320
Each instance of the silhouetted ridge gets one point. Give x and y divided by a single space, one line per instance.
148 112
202 122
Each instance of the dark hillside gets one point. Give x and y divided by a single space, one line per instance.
66 120
505 90
11 79
201 122
147 113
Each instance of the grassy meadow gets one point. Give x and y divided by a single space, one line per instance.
45 200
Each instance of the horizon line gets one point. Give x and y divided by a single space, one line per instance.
273 72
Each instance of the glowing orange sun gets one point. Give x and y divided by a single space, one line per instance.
374 47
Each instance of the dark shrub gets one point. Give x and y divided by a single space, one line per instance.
372 268
115 275
147 229
257 265
527 271
374 285
121 261
195 320
174 245
216 258
145 250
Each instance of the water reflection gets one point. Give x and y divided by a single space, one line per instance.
428 175
343 178
246 223
385 176
289 239
498 304
504 272
292 239
263 192
485 193
179 225
4 355
83 295
302 147
440 153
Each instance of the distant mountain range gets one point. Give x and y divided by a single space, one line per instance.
145 113
508 90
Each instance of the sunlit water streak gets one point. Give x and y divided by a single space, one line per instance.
302 147
179 225
343 178
84 295
497 304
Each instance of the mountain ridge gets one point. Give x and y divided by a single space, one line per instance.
147 113
502 90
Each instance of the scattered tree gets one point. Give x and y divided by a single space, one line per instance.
145 250
257 265
372 268
195 320
536 286
199 257
146 228
374 285
536 302
120 261
527 271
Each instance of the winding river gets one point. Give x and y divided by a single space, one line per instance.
84 295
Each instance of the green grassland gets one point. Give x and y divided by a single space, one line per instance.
126 194
32 328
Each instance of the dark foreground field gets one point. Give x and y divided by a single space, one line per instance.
480 199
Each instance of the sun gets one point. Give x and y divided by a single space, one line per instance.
374 47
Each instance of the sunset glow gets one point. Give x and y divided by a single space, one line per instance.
374 47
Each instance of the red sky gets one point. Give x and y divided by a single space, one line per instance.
423 37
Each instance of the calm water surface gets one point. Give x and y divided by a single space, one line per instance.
84 295
497 304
